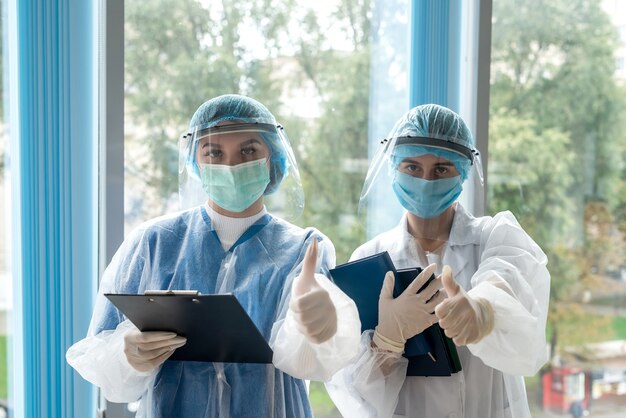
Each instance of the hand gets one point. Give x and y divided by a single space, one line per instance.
407 315
145 351
314 311
465 319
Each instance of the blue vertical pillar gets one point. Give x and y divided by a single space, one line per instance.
429 54
53 169
435 57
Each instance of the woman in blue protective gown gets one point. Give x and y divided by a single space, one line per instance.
236 154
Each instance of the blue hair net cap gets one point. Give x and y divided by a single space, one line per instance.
235 107
230 107
433 121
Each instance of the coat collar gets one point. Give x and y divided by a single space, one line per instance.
465 231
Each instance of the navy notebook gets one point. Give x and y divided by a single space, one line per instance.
430 353
217 327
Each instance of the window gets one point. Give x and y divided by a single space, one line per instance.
556 160
6 293
310 63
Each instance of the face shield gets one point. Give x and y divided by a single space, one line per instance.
234 164
422 174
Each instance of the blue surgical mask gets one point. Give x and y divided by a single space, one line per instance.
235 188
426 198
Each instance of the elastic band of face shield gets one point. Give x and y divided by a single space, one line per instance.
201 132
436 143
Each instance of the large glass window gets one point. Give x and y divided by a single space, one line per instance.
310 63
5 237
6 294
557 153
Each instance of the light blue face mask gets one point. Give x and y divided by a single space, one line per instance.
426 198
235 188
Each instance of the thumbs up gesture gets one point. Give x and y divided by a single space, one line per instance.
465 319
314 311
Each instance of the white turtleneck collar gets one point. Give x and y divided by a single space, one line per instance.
230 229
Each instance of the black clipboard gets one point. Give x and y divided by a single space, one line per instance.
217 327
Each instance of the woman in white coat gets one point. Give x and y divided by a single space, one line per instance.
492 281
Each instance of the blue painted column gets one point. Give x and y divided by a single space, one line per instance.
449 66
428 52
435 57
53 168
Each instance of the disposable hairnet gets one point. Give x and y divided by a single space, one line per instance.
438 122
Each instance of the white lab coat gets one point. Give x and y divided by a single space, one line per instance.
490 257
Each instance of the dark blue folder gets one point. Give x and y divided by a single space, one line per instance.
430 353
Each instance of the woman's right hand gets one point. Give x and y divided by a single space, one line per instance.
145 351
409 314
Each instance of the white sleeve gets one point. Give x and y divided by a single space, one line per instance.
513 277
296 355
370 386
100 360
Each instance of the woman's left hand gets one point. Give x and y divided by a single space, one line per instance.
465 319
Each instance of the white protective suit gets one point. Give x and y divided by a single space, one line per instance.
492 258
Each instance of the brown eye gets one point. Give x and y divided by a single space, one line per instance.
248 150
411 169
213 153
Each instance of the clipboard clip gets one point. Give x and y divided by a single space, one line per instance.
171 293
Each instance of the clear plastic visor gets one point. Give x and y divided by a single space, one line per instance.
235 164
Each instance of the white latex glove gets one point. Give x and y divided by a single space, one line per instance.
465 319
313 310
145 351
407 315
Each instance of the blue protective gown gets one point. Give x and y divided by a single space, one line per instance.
183 251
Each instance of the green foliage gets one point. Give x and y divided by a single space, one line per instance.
180 54
531 172
572 318
3 368
321 402
563 50
619 326
332 183
556 145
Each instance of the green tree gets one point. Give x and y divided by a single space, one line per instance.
336 147
531 171
563 50
177 55
180 54
556 104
